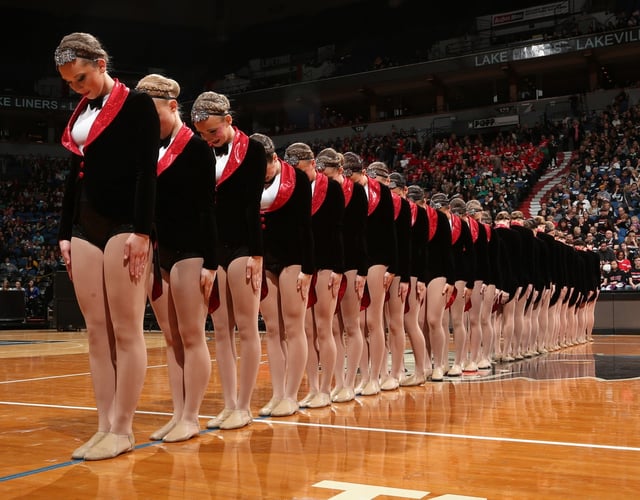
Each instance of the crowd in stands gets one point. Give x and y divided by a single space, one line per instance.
30 201
597 199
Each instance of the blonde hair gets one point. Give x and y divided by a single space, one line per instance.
266 142
159 86
79 45
540 220
210 104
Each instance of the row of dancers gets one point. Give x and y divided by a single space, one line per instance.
341 259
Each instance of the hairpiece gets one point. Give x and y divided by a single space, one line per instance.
199 115
321 163
156 92
294 159
64 56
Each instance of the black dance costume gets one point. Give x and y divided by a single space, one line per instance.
327 215
402 223
238 193
185 206
111 186
439 255
286 220
354 228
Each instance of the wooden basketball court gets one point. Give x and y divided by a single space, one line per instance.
561 425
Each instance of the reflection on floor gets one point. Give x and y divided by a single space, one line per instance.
573 362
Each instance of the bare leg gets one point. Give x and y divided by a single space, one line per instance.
487 327
375 327
224 326
292 307
275 343
475 327
323 311
350 314
459 330
246 303
165 313
416 336
127 299
191 311
508 311
395 308
88 282
313 357
436 302
518 324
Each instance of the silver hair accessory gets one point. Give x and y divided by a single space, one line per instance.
321 164
291 159
199 115
64 56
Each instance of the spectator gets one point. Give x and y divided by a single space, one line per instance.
8 268
634 274
33 302
605 252
622 261
615 279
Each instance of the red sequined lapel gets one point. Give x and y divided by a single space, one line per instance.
106 115
175 148
319 192
237 152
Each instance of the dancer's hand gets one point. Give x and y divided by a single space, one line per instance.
207 277
254 272
334 283
403 291
136 252
65 250
388 278
359 285
421 291
302 285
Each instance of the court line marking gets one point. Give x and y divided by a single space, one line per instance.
455 436
270 421
53 377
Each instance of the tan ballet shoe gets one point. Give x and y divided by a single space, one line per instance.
163 431
304 402
320 400
215 422
344 395
182 431
78 453
437 375
454 371
412 380
265 411
111 446
470 367
390 384
371 388
285 408
237 419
